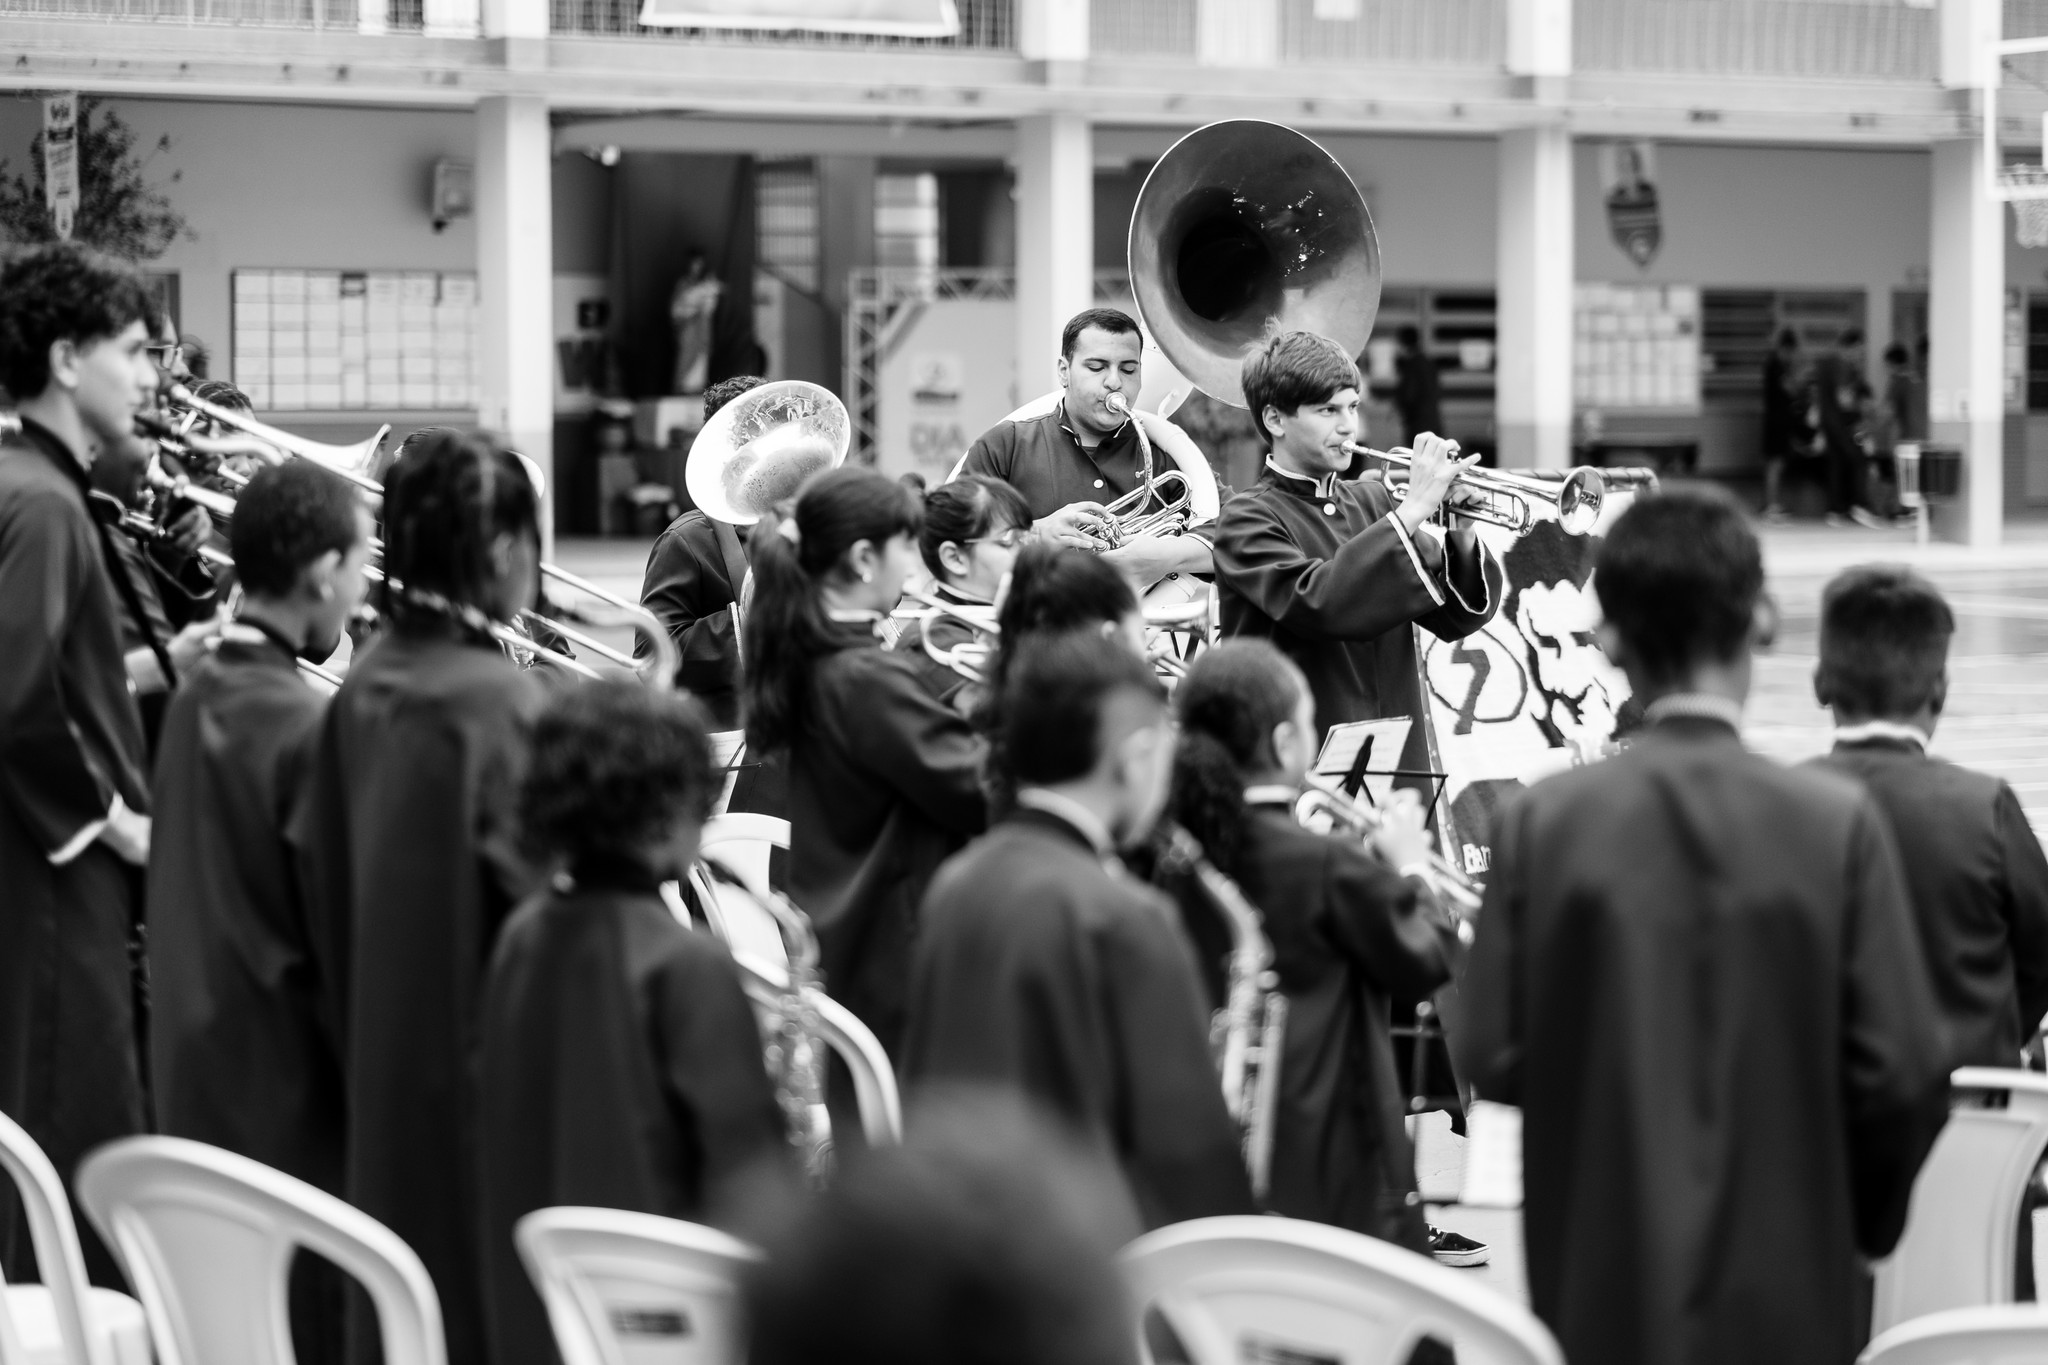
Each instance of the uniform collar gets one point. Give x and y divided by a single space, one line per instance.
1071 813
53 448
1109 442
1301 485
1271 794
1694 706
254 634
1887 732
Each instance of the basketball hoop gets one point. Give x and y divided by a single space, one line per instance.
2027 189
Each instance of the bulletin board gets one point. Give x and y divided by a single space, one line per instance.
1637 346
342 339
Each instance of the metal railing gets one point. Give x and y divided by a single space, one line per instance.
1847 39
339 15
1468 33
985 26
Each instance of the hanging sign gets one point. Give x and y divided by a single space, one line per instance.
888 18
60 161
1628 171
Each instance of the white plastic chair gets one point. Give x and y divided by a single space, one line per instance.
2004 1334
1250 1288
728 751
632 1289
1962 1227
741 844
874 1079
63 1320
207 1239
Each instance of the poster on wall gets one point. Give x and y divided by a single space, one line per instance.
351 339
60 161
1628 179
1528 695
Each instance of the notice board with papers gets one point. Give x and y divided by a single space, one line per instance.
340 339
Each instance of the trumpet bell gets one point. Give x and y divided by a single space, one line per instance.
1243 228
759 449
1579 501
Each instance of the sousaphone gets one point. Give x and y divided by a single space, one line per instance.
1242 229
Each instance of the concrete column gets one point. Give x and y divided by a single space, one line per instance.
515 279
1237 32
1055 240
1966 339
1539 37
1534 257
846 242
1052 30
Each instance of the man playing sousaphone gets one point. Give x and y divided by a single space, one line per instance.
1086 451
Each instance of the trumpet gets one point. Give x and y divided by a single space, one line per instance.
1327 799
1246 1035
1510 498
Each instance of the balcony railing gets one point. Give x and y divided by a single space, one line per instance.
985 26
1846 39
1379 33
341 15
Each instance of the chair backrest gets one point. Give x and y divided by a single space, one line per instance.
741 844
207 1237
728 751
1273 1289
55 1239
2003 1334
1962 1227
633 1289
874 1080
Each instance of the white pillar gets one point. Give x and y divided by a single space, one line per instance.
1966 339
1237 32
515 279
1055 240
1539 37
1533 355
1052 30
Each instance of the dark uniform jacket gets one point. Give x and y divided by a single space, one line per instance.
1042 971
70 742
1324 571
619 1068
1349 935
1979 889
244 1056
408 847
1697 974
949 685
689 587
884 784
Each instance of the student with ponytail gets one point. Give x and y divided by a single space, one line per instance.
973 528
405 836
1349 931
884 779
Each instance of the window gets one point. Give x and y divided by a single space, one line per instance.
786 222
907 221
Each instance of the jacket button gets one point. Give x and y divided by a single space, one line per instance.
1098 483
1329 509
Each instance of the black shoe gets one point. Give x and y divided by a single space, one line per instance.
1455 1248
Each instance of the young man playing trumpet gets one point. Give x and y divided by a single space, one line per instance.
1334 572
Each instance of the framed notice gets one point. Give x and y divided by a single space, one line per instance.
341 339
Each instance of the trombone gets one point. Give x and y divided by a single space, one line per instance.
1362 818
1510 498
252 437
970 657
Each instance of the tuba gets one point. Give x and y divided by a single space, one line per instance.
1246 1035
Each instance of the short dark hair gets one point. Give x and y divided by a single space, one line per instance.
62 291
287 517
447 497
1054 698
614 765
1851 336
971 506
1408 334
1114 321
1680 575
1884 633
1896 354
1292 369
985 1239
725 390
1788 340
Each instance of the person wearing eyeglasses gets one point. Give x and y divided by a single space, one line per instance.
973 528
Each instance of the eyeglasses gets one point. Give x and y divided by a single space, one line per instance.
1008 540
166 353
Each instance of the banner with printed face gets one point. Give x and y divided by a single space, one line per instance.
1628 177
1528 695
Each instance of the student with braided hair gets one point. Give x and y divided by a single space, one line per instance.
407 839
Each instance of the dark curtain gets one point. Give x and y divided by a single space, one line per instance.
734 348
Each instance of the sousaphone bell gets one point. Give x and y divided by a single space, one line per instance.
760 448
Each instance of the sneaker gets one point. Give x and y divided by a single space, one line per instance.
1455 1248
1864 517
